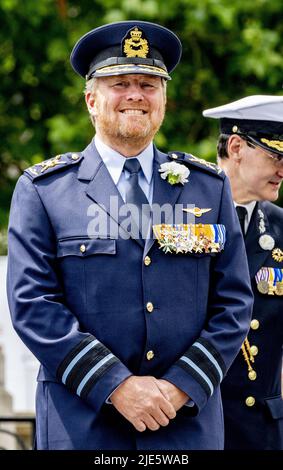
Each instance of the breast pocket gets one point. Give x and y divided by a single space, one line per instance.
83 264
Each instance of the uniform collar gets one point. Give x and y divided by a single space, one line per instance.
114 161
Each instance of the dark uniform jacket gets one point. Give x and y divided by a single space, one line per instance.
96 310
253 407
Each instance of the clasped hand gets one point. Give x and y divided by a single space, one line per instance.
147 402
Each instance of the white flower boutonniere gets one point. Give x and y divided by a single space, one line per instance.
266 242
174 172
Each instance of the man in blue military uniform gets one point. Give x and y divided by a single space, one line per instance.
134 333
250 150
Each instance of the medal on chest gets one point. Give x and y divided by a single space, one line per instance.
269 281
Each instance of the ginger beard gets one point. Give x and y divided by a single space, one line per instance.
121 120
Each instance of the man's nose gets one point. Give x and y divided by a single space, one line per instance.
134 93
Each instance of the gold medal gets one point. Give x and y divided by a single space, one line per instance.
252 375
263 287
279 288
190 238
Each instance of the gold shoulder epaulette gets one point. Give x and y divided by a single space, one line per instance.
52 164
199 162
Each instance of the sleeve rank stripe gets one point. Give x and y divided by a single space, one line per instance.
72 354
210 349
198 358
206 362
197 373
92 371
211 358
82 367
77 358
94 374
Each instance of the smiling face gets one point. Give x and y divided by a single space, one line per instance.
128 109
254 174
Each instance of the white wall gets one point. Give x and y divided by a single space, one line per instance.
20 365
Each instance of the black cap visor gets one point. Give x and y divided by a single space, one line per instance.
265 134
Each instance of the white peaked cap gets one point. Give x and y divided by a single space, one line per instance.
255 107
258 118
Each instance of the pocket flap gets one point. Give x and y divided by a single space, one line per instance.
84 247
275 406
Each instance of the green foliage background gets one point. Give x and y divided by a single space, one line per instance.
231 49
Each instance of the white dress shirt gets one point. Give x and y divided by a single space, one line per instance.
114 163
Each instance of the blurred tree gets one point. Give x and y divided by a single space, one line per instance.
231 49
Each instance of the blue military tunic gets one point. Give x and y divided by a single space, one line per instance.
252 400
95 310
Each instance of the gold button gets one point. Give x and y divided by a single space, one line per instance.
149 307
235 128
252 375
254 324
147 261
82 248
254 350
75 156
250 401
149 355
174 156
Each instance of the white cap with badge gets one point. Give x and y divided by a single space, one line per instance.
257 117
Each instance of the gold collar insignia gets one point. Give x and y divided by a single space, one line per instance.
206 163
51 163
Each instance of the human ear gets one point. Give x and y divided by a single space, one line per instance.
234 147
91 103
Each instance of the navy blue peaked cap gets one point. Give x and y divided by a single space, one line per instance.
126 47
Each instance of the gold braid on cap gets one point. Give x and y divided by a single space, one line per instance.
275 144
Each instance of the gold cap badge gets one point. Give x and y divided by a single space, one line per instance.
135 44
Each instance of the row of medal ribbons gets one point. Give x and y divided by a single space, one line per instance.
189 238
270 281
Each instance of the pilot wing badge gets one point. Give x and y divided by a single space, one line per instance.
196 211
